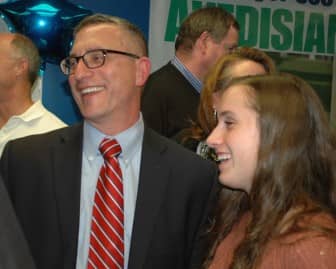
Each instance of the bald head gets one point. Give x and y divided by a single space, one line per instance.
6 36
15 46
5 43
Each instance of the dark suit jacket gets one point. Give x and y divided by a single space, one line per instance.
169 102
43 176
14 252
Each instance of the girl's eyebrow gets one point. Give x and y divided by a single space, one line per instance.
224 113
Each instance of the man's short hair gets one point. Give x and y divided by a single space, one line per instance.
99 18
214 20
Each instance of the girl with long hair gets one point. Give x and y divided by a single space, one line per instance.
276 155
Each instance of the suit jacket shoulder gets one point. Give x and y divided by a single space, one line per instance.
42 174
176 191
14 251
169 101
167 73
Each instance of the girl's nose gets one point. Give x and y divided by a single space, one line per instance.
215 138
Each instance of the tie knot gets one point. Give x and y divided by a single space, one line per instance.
109 148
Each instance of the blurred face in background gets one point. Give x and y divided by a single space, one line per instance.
247 68
228 44
215 50
244 68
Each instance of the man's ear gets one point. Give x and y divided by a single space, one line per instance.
21 67
143 68
202 42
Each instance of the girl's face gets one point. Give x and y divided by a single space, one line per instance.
236 138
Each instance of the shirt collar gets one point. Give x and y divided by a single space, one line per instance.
33 112
130 139
193 80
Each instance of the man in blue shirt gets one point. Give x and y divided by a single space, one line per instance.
171 95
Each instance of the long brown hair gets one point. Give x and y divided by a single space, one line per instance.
296 168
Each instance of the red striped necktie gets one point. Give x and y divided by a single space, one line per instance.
107 224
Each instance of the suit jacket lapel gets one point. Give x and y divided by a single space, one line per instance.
152 184
67 181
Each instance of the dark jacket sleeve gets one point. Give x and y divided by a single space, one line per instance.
14 252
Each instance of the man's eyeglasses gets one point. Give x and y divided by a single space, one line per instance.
92 59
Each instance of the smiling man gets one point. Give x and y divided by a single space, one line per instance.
141 208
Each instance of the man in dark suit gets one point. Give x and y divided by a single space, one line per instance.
52 178
171 95
14 252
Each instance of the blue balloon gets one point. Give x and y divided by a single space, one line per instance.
49 23
6 24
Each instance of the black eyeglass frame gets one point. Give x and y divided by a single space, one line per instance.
65 66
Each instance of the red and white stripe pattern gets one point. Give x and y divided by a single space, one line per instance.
107 225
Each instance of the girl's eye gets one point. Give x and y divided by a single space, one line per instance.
228 123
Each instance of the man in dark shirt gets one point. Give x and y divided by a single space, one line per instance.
171 94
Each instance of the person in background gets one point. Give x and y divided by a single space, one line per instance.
171 95
19 115
147 209
277 161
244 61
